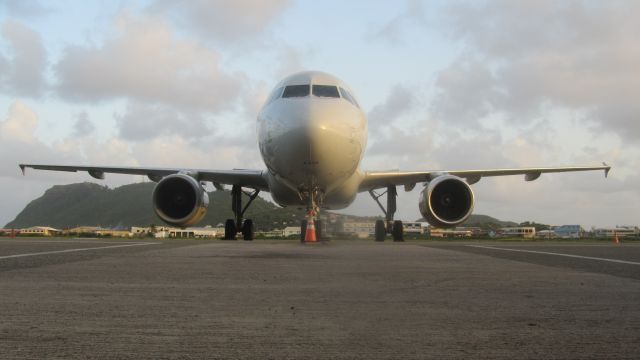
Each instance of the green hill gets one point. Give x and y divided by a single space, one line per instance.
484 221
90 204
66 206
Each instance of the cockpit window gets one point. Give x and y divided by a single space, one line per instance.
296 91
347 96
325 91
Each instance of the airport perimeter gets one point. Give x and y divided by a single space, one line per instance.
192 299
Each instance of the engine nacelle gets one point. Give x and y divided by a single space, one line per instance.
446 201
180 200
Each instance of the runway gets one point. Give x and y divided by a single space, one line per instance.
194 299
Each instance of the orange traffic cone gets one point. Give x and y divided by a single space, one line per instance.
615 238
310 234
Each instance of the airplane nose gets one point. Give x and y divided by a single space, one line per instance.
318 143
334 146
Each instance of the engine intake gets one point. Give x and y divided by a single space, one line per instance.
180 200
446 201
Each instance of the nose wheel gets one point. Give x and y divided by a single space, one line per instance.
388 226
238 225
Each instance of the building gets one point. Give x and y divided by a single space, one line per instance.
414 227
475 230
9 232
621 231
291 231
82 230
140 231
527 232
546 234
40 231
194 232
569 231
445 233
359 229
114 233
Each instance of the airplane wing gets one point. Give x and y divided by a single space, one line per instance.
380 179
243 177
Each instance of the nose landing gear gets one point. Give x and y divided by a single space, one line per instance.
383 227
310 228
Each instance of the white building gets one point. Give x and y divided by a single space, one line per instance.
527 232
140 231
621 231
194 232
455 232
414 227
291 230
359 229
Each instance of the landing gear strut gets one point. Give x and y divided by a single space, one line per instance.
388 225
310 228
233 226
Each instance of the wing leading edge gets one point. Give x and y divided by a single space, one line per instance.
379 179
246 178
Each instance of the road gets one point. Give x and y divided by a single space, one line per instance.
192 299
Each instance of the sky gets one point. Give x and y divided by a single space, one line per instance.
446 85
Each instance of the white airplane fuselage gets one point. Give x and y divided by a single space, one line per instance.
312 143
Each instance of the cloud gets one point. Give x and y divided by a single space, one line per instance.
466 93
392 30
400 101
522 58
24 8
21 145
22 72
146 121
145 61
19 124
222 21
290 60
83 126
176 151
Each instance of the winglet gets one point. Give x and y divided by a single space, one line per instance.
606 169
22 167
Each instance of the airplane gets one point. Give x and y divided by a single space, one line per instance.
312 134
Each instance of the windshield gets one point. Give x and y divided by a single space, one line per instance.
295 91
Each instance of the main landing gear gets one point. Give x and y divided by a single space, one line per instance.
233 226
388 225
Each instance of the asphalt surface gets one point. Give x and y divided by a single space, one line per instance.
178 299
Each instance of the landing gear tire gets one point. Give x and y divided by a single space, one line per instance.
380 230
397 231
303 230
230 230
248 230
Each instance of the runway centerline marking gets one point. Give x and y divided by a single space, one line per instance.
558 254
72 250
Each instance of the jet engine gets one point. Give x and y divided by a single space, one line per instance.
446 201
180 200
